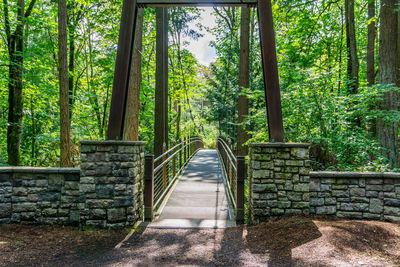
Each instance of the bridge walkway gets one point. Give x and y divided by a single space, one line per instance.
199 199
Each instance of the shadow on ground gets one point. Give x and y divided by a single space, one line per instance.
295 241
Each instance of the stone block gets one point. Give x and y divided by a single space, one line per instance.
326 210
105 191
284 204
340 193
326 187
99 203
358 192
301 187
300 205
354 207
23 207
330 201
315 185
392 211
359 199
347 181
277 212
392 202
317 201
42 183
371 216
294 163
388 188
55 180
261 188
124 202
349 215
295 196
262 174
374 187
116 215
87 180
20 191
376 206
299 153
98 214
370 181
88 188
49 196
5 210
267 165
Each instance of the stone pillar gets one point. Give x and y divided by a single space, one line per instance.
112 174
279 180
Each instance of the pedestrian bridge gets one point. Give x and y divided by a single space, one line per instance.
202 195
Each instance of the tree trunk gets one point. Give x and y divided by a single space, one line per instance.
243 103
65 148
131 130
15 86
352 59
388 74
371 43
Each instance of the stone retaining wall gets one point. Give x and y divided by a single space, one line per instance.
106 192
39 195
356 195
279 180
112 175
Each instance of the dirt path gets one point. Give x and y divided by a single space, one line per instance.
296 241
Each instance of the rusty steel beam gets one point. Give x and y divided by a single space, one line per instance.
198 3
148 187
122 70
270 71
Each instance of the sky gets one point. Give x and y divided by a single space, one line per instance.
200 48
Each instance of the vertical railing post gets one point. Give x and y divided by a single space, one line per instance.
180 153
174 161
148 187
164 149
184 151
241 174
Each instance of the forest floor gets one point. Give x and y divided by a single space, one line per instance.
295 241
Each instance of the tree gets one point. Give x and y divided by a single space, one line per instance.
131 130
352 58
388 75
15 45
65 131
371 43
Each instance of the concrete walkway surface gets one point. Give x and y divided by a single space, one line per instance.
199 199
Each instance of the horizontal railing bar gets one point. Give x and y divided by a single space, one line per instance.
225 175
173 180
170 157
167 152
226 148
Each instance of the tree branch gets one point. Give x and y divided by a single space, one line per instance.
7 22
30 7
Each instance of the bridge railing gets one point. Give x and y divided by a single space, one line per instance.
162 172
234 171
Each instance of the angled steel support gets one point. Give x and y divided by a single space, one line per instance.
122 70
270 71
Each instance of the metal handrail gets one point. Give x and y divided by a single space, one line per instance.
234 174
160 178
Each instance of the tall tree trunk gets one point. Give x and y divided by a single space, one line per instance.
388 74
71 69
65 136
15 43
243 102
352 58
131 130
371 43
